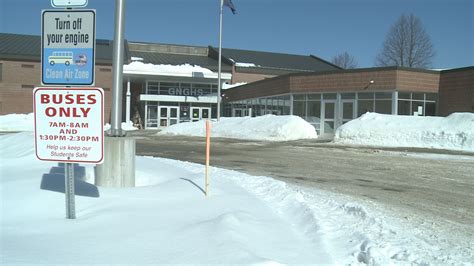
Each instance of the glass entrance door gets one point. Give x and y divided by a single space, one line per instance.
152 116
198 113
169 115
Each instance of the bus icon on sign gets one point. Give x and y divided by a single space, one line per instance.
61 58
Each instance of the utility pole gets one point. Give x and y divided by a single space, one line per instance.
117 66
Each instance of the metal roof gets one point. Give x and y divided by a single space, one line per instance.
278 61
179 59
15 46
28 47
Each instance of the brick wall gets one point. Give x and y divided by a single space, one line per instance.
238 77
274 86
17 84
417 81
387 79
348 81
456 91
19 78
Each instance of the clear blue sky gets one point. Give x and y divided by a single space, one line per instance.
320 27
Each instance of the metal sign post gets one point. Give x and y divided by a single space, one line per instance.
68 121
69 128
69 191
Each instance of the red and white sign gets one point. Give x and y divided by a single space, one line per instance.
69 124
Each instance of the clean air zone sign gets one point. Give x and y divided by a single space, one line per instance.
68 46
69 124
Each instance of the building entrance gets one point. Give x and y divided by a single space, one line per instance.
168 115
198 113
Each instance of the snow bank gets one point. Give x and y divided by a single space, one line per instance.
25 122
17 122
246 220
267 128
177 69
455 132
125 126
167 220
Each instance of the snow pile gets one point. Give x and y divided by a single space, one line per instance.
240 64
167 220
455 132
267 128
25 122
246 220
157 69
17 122
226 86
128 126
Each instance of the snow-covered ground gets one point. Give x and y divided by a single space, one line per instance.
455 132
17 122
167 219
266 128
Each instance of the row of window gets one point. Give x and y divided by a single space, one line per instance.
180 89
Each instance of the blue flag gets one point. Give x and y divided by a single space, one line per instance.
230 5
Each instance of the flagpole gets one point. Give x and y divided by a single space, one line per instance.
219 65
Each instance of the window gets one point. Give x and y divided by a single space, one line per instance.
365 95
383 95
202 89
430 109
348 96
152 88
27 86
1 71
299 108
314 97
404 107
330 96
418 96
417 106
383 106
299 97
314 112
364 106
27 66
409 103
404 95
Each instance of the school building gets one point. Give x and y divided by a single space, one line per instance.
165 84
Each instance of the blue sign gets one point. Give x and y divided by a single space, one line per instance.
68 45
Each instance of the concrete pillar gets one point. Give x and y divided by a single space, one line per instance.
118 169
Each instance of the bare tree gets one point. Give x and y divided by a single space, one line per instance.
407 44
344 60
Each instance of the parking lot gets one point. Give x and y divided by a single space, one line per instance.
434 185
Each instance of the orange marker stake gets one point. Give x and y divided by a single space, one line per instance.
208 151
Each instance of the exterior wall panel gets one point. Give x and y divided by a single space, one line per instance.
417 81
342 82
456 92
238 77
274 86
